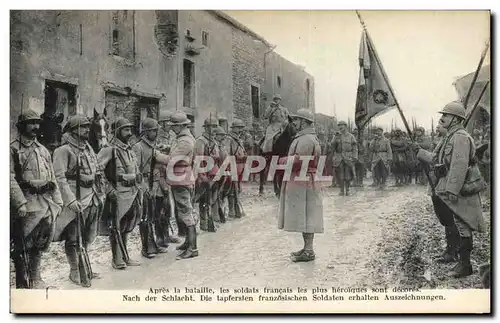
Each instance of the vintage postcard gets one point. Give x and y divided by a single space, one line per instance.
209 161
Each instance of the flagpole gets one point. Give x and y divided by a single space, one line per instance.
375 54
483 55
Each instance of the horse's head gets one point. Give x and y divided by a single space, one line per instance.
98 131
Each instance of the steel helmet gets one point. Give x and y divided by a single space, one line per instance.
211 121
121 123
219 131
178 118
164 116
75 121
454 108
305 114
29 115
149 124
342 123
237 123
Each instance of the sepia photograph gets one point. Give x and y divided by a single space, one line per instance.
250 161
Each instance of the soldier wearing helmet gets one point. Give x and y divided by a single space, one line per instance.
381 152
425 143
236 149
206 193
35 201
166 138
456 203
345 153
122 207
276 115
90 203
301 200
152 191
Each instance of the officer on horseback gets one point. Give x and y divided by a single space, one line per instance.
277 116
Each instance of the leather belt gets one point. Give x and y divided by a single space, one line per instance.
41 189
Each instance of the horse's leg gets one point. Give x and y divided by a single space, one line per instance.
262 178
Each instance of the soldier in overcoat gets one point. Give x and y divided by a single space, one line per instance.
345 150
425 143
90 205
123 204
35 201
238 152
381 157
452 160
301 200
152 198
206 193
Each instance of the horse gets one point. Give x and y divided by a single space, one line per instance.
281 145
98 131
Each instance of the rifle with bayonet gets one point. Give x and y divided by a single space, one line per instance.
146 226
84 267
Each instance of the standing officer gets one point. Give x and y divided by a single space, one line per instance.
153 197
183 188
381 152
206 146
301 201
122 208
237 150
90 204
35 201
345 150
456 203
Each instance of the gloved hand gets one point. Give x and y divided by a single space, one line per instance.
75 206
22 211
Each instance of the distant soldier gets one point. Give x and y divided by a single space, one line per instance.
359 163
154 196
35 201
329 158
206 146
424 143
277 116
221 187
237 150
477 136
381 159
345 150
123 207
89 206
301 201
183 190
456 203
399 146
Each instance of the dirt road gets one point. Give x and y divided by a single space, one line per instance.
372 238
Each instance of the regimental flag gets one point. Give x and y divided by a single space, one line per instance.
374 95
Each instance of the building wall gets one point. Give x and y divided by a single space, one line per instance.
293 83
213 66
46 45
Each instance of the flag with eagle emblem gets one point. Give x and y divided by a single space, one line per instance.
374 95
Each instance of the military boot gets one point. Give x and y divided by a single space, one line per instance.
231 204
35 259
452 242
148 248
117 262
342 188
129 261
161 232
192 250
347 184
464 266
203 217
71 255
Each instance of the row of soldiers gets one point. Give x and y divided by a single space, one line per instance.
349 157
75 194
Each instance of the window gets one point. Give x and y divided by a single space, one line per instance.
123 34
279 81
188 72
255 101
204 38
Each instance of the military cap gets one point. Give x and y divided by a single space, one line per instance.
211 121
454 108
77 120
342 123
121 123
276 96
149 124
305 114
29 115
178 118
237 123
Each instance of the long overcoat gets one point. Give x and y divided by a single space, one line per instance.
301 202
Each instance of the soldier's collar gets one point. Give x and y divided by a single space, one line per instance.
148 142
307 131
184 132
74 142
28 142
120 144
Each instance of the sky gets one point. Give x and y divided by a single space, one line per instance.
423 52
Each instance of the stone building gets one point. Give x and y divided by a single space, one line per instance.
136 63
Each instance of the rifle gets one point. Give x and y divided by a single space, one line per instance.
145 226
84 267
